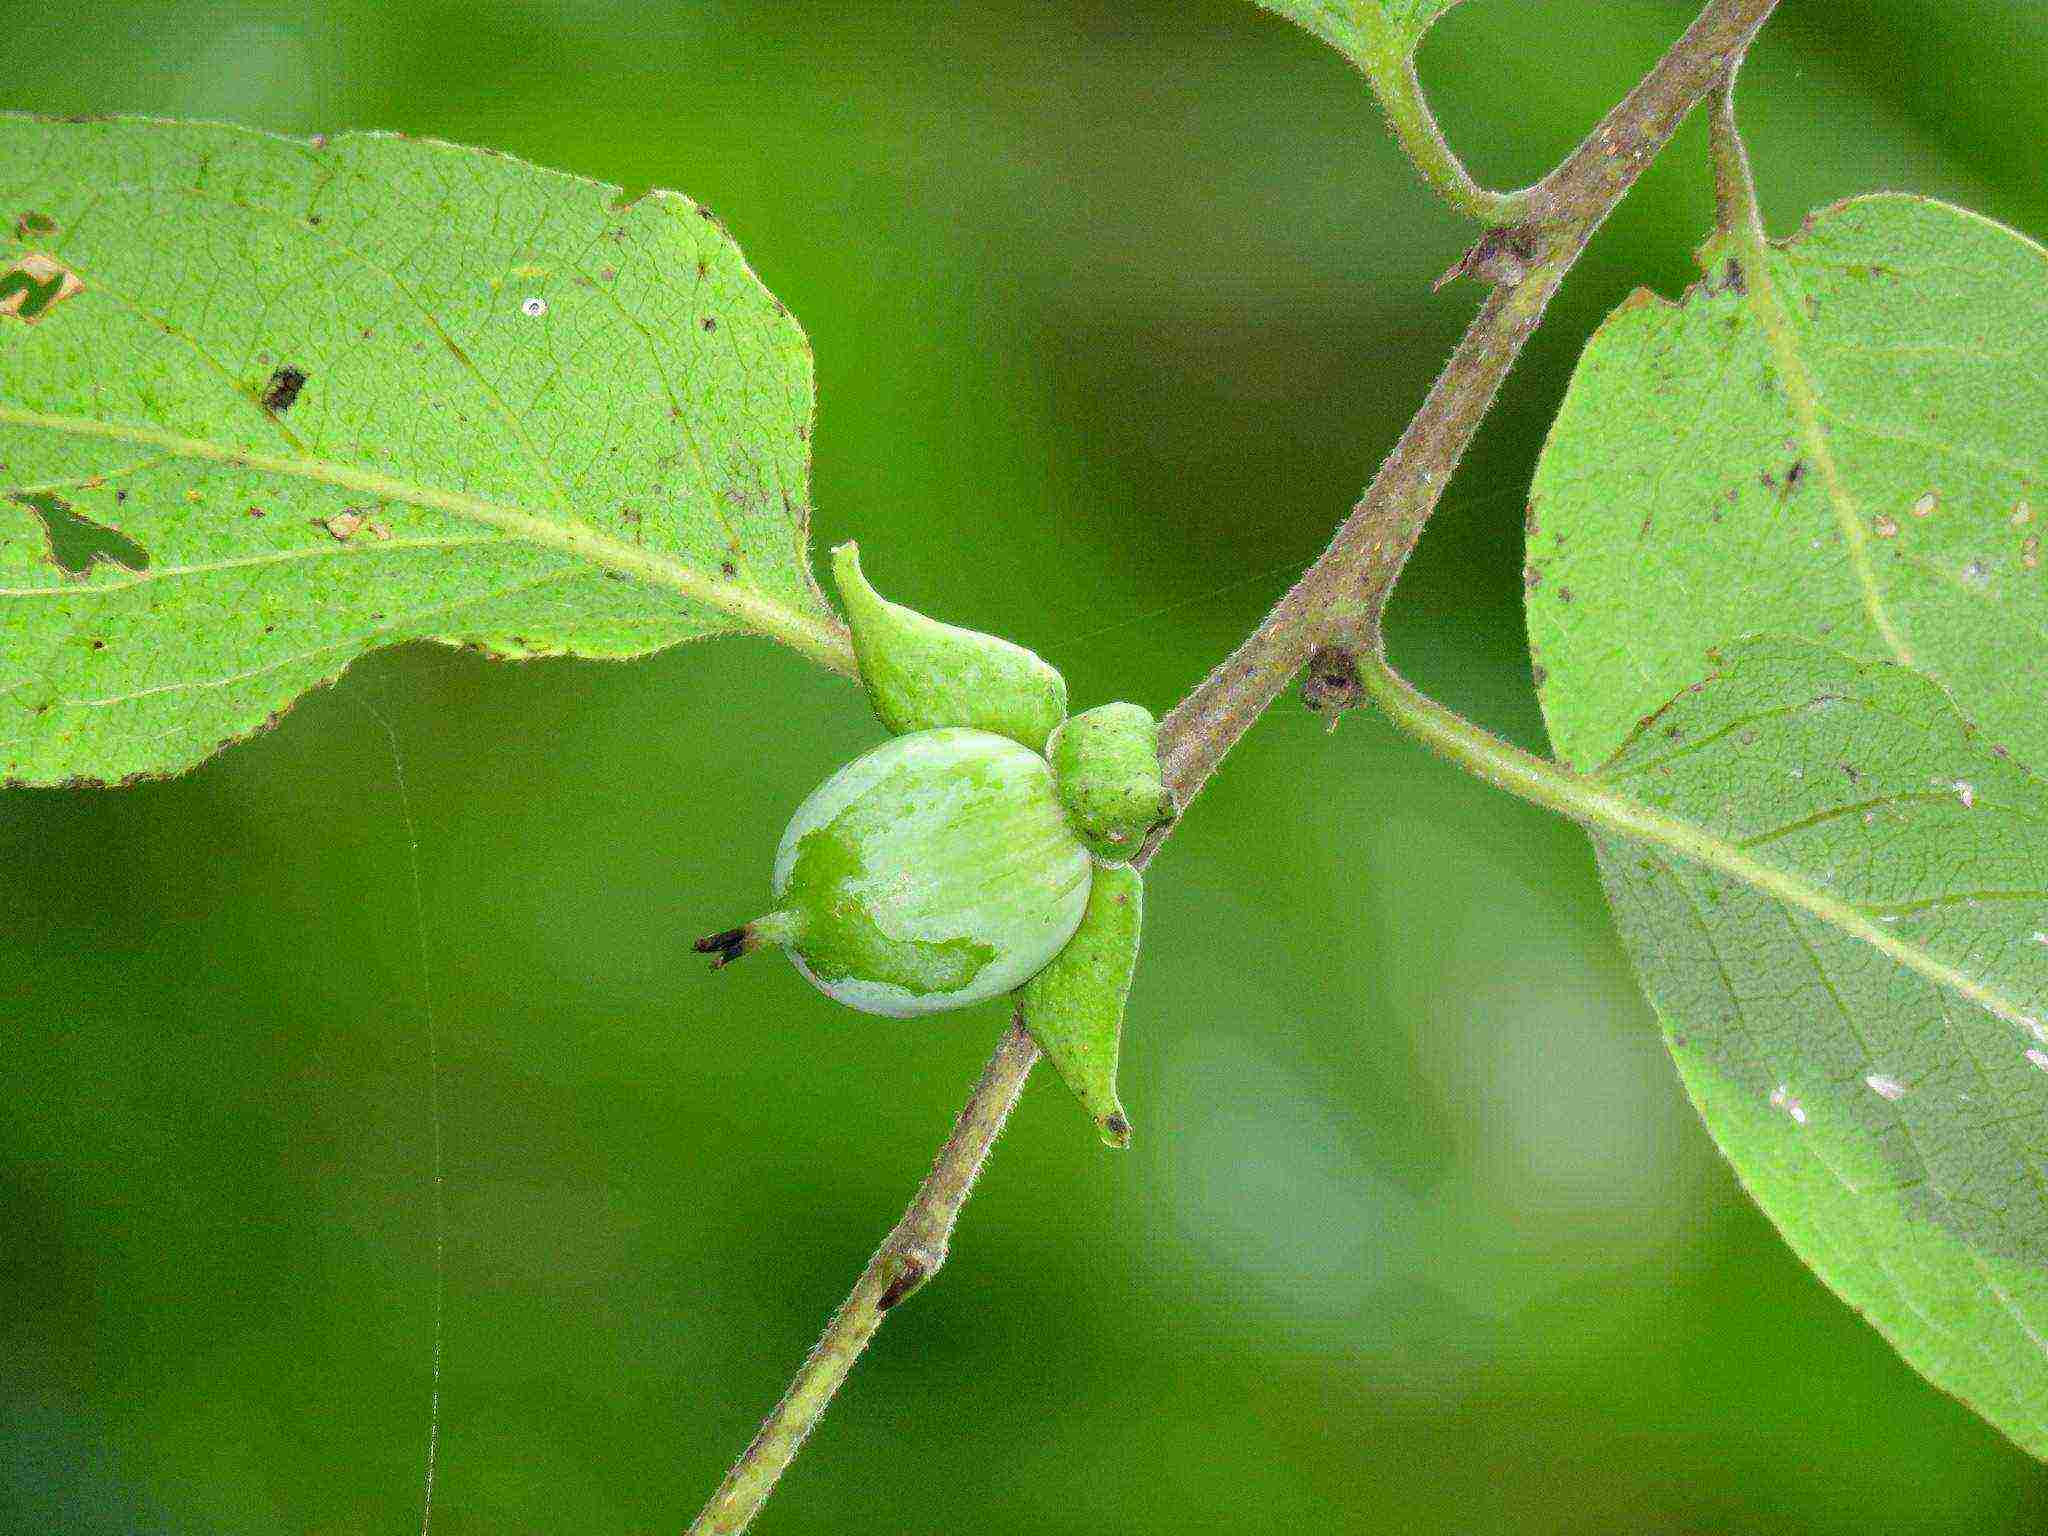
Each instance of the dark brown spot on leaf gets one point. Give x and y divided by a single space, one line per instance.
283 389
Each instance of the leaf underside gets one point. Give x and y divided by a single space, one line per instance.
1840 454
1887 1106
306 398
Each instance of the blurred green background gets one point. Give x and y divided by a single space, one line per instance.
1116 304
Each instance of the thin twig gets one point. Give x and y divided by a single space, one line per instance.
1390 70
1340 598
910 1255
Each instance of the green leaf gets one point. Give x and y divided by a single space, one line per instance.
1362 30
1839 439
266 404
1847 943
1844 441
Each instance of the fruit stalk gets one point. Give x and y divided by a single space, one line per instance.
780 928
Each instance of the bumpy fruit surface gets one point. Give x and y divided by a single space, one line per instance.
936 871
1106 763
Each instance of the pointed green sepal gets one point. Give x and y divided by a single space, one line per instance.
1074 1008
921 674
1106 761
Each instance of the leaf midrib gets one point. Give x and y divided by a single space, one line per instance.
822 641
334 549
1592 799
1790 366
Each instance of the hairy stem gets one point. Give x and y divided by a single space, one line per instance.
1735 207
908 1257
1339 600
1390 69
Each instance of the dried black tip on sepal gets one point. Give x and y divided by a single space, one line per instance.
728 946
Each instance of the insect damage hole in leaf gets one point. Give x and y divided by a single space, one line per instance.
483 501
33 285
76 542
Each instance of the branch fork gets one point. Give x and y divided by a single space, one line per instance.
1329 622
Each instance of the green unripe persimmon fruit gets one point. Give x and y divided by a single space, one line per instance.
983 850
936 871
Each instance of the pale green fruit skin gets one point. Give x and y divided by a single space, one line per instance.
934 872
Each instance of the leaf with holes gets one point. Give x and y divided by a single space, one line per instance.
1843 440
1364 30
266 404
1840 913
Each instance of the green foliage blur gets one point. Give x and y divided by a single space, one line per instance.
1116 305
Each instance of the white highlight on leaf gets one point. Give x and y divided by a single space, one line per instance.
2038 1057
1966 792
1781 1098
1925 506
535 306
1886 1087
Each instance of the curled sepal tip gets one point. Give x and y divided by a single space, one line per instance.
1106 763
921 674
1074 1008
